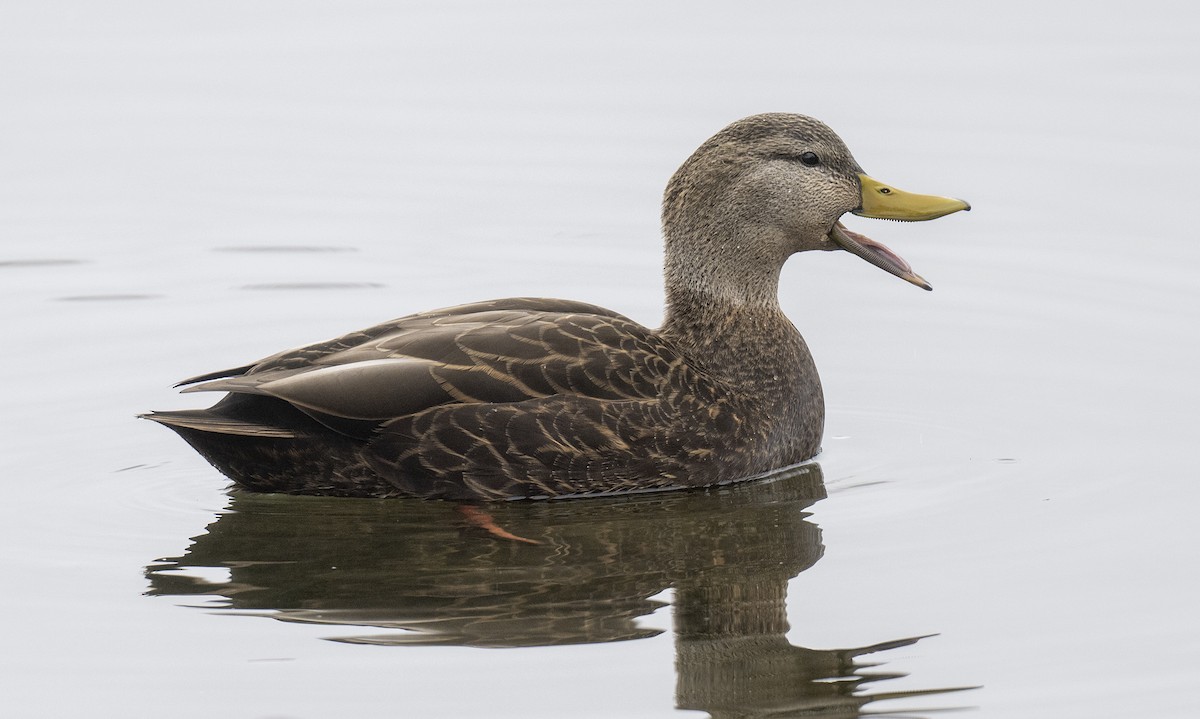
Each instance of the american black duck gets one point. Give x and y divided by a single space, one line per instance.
536 398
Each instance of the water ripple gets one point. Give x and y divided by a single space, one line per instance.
43 262
285 249
115 297
288 286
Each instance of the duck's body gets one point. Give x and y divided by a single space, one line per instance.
524 398
511 398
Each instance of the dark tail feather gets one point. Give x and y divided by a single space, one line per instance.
234 372
205 421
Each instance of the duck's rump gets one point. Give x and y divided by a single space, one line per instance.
267 445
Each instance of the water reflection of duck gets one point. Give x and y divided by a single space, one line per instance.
539 398
727 554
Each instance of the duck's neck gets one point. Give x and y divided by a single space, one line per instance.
735 264
722 291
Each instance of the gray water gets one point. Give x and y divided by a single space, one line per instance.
1008 463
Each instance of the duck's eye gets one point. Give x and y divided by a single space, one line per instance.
810 159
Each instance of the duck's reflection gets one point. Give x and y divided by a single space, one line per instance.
416 568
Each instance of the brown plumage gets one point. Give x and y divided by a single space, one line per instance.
532 398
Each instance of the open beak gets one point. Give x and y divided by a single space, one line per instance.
889 203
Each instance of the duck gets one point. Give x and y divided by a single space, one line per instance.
536 398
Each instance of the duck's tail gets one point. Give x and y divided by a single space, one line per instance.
203 420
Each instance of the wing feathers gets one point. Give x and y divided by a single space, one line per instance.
375 389
516 397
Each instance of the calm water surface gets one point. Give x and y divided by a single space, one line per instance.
1009 460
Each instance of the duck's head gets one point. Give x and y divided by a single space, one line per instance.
771 185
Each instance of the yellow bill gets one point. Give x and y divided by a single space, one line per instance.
889 203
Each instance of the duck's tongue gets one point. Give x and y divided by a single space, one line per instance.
877 254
